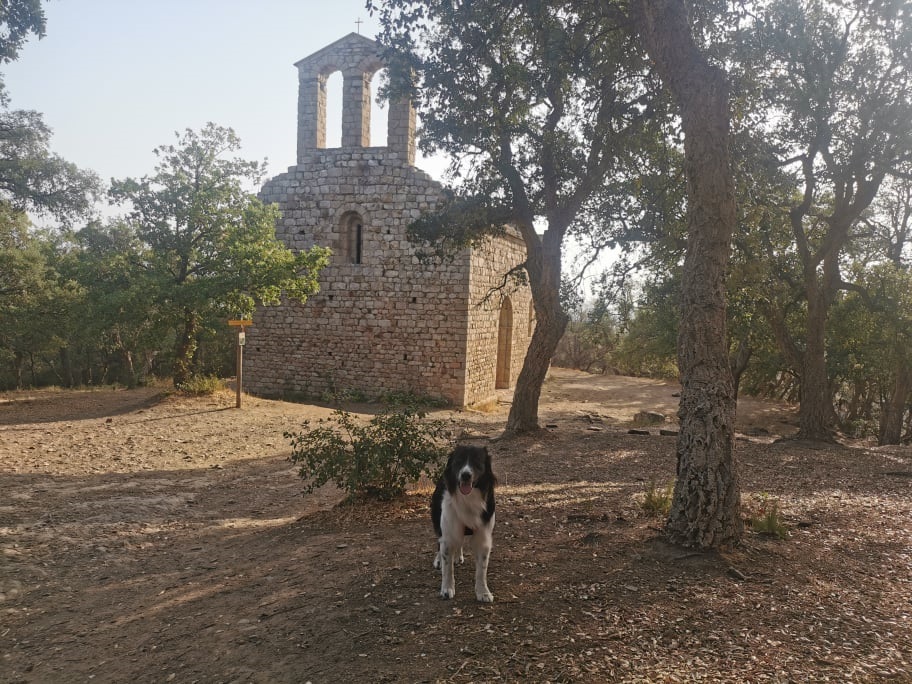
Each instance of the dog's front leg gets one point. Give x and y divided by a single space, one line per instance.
438 554
482 552
448 581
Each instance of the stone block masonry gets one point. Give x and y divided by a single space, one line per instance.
383 320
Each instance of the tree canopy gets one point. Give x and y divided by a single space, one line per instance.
210 245
18 20
32 178
539 105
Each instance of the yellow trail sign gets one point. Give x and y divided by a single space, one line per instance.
242 322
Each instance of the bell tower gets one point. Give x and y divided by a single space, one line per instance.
358 58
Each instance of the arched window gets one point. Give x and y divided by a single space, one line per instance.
350 245
333 111
379 112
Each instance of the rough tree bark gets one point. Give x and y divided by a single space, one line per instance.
543 264
816 416
893 409
738 364
705 510
185 348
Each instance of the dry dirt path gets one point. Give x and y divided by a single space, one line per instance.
165 539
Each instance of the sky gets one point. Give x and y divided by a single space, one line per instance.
116 78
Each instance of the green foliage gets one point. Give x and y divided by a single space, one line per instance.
201 385
117 315
211 250
377 459
18 19
833 102
22 263
35 179
768 519
407 399
649 347
35 301
657 500
590 341
35 305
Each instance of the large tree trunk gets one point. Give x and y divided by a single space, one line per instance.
892 411
815 414
185 348
705 510
18 364
66 368
739 364
543 264
549 328
127 371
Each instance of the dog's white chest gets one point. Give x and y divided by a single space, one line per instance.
468 510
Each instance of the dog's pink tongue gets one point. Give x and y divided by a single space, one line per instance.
465 488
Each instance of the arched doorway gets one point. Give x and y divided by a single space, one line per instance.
504 345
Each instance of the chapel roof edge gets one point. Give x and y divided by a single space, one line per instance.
352 39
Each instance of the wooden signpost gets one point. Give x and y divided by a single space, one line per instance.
241 341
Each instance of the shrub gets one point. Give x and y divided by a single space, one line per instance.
657 501
377 459
200 385
769 520
343 396
405 398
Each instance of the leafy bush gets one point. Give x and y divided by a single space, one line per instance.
377 459
200 385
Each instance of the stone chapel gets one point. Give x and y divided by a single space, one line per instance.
382 321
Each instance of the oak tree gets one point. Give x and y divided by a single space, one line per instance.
705 510
211 244
834 82
538 105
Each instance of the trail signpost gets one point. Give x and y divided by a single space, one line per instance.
241 341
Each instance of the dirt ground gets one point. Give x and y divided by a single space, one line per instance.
164 539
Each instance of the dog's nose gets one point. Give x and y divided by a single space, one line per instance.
465 477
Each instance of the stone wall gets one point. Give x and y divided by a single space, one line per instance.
387 323
489 263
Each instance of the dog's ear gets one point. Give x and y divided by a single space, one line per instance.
487 464
449 476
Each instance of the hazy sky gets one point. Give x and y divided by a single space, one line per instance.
116 78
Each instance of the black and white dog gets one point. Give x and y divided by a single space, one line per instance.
463 505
